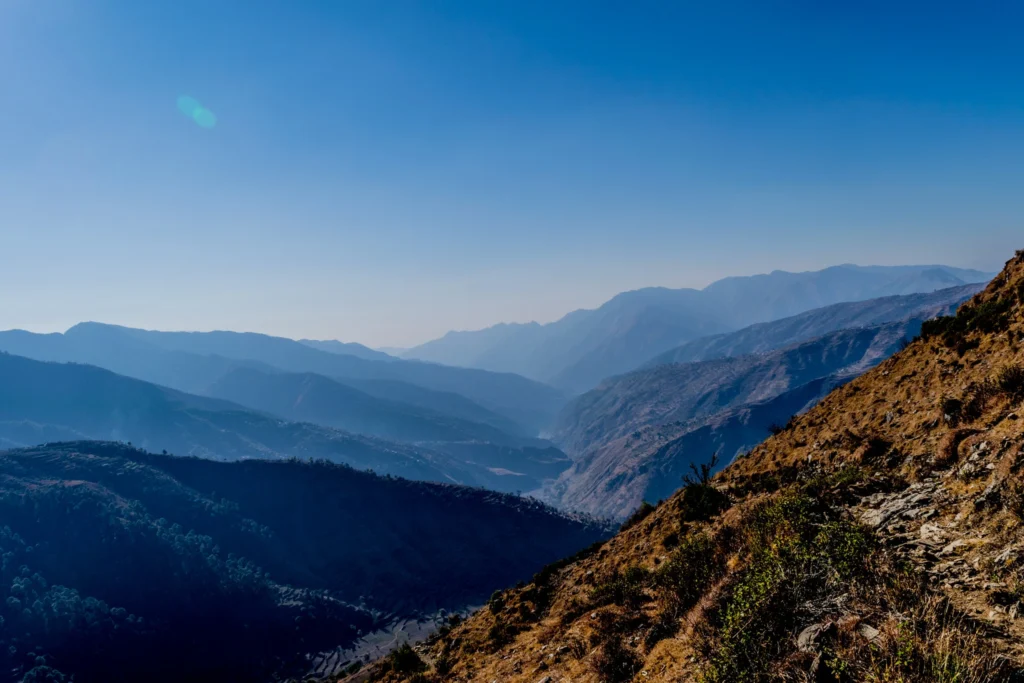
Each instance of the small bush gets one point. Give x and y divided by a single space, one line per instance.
1013 499
496 603
614 662
1011 382
952 409
989 317
404 661
976 400
626 589
501 633
689 570
639 515
700 500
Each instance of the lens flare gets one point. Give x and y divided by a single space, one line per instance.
190 107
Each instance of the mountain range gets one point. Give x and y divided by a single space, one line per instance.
46 401
576 352
636 435
193 361
876 537
123 565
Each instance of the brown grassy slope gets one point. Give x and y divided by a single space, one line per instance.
876 539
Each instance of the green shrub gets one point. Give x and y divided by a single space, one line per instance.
990 317
795 558
689 570
625 589
502 633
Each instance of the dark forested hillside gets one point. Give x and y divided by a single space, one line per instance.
123 565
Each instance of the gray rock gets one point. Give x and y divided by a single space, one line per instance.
868 632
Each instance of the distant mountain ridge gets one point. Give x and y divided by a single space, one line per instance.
577 351
347 349
47 401
763 337
193 361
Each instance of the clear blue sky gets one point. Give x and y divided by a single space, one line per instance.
385 171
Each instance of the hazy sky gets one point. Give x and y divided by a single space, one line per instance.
383 171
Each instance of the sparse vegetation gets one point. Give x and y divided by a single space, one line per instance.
989 317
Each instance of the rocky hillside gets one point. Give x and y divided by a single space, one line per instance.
117 564
878 537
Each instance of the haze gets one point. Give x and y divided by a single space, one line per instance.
386 172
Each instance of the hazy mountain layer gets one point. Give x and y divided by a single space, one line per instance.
192 362
347 349
584 347
56 401
764 337
314 398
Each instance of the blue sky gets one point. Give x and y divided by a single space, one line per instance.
385 171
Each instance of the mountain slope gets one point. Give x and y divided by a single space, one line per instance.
763 337
627 435
585 346
635 435
878 537
123 565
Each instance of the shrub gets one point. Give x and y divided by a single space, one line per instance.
626 589
501 633
700 500
952 409
614 662
989 317
404 661
1011 382
977 397
496 603
1013 499
639 515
